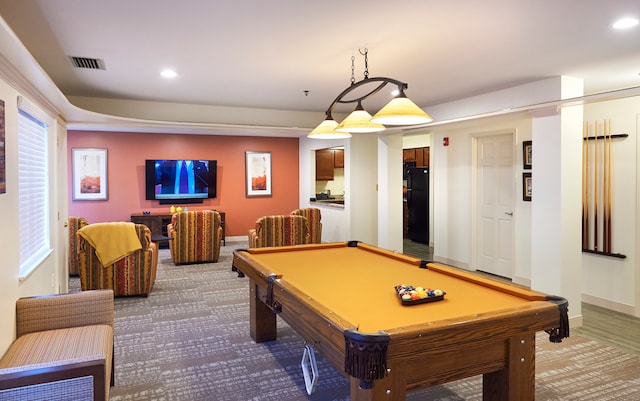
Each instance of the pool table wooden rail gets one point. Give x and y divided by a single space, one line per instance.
499 345
316 324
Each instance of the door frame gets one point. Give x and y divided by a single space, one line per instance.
474 194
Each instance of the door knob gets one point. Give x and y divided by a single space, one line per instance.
509 213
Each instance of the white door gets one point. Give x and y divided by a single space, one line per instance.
495 197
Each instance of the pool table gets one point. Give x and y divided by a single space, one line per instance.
341 299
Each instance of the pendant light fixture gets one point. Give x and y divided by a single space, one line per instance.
399 111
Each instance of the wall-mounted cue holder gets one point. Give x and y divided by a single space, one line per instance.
597 191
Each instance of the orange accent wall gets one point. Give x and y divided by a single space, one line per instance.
126 153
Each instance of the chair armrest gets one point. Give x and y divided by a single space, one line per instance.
253 238
59 311
83 380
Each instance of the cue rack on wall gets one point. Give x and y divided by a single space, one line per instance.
597 191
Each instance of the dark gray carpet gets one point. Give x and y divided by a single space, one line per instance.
189 340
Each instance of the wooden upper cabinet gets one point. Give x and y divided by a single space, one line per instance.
338 158
324 164
409 155
425 156
418 155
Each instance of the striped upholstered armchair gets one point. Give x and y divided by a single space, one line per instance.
75 223
132 275
195 236
279 230
315 225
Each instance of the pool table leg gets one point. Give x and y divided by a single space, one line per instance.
262 320
391 388
516 382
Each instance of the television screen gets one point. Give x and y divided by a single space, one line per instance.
180 181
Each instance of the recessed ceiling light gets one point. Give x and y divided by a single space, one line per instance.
169 73
625 23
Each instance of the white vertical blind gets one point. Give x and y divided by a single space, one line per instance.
33 191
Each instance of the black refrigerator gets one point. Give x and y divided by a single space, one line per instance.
418 204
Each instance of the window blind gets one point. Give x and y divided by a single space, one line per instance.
33 191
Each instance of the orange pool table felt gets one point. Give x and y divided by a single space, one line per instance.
352 287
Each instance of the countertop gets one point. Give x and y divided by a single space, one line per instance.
329 202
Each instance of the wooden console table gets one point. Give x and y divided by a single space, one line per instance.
158 223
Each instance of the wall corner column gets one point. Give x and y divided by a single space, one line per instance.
556 256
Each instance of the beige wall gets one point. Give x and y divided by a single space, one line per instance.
46 278
611 282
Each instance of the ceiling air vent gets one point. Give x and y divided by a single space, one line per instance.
88 63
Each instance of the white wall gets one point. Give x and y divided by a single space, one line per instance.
372 175
611 282
335 220
48 276
390 199
453 190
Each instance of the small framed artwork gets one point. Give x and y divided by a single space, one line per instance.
258 173
3 173
89 168
526 187
526 155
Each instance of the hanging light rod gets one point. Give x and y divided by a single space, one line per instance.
399 111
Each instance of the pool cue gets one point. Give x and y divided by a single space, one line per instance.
605 184
595 190
609 194
585 185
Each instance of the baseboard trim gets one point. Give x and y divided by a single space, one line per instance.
451 262
239 238
609 304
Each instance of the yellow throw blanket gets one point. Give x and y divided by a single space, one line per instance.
112 241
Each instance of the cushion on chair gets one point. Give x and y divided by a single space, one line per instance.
62 345
281 230
314 217
196 236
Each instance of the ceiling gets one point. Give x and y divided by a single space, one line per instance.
295 56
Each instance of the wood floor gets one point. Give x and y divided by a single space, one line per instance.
616 329
613 328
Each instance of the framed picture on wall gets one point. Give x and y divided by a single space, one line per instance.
526 155
258 173
526 187
89 167
3 172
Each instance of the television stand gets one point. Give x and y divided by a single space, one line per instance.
158 223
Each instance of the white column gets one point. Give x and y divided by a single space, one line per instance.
390 192
362 191
556 256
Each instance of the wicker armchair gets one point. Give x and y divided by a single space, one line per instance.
315 225
280 230
75 223
132 275
195 236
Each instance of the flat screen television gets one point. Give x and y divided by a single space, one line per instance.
180 181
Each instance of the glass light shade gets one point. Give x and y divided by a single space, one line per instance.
326 130
359 121
401 111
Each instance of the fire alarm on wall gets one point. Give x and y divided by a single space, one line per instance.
445 141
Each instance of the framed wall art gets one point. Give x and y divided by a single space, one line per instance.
526 155
526 187
89 167
258 173
3 172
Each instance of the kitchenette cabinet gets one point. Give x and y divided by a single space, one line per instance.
418 155
326 161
